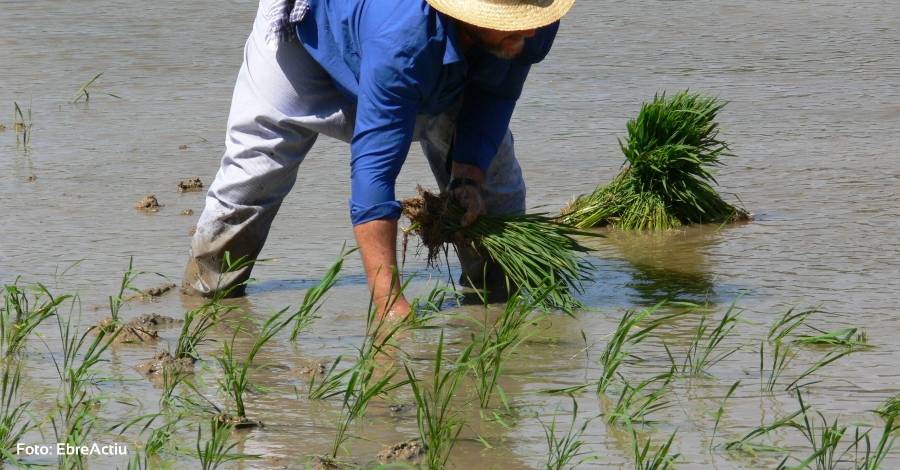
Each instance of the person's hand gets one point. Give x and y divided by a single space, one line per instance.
465 188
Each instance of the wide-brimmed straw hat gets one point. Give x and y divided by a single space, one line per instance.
504 15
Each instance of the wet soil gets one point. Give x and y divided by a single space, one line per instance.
153 292
407 451
148 203
163 359
190 185
317 368
326 463
239 423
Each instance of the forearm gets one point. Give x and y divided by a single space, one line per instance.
377 240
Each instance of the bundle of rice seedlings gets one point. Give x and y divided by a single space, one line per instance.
536 252
671 149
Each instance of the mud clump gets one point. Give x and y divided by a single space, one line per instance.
187 212
153 292
190 185
399 409
238 423
407 451
129 333
318 368
155 320
325 463
162 361
148 204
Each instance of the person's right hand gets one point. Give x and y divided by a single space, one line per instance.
465 188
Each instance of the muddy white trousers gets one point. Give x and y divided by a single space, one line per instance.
282 101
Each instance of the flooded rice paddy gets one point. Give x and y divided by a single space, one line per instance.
813 116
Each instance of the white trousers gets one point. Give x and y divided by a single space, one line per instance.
282 101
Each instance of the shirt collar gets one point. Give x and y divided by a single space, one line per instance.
452 54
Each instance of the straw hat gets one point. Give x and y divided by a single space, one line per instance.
504 15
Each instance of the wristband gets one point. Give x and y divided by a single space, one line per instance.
458 182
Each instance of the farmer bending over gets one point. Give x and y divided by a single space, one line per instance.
378 74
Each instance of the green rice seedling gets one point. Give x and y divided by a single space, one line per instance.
313 297
439 425
363 383
636 403
20 315
891 407
721 411
703 354
824 440
198 322
432 302
562 451
617 349
216 451
844 337
659 460
790 321
330 385
22 123
498 341
236 378
872 458
83 93
671 149
816 366
117 301
196 328
158 439
80 356
782 355
14 419
533 250
747 443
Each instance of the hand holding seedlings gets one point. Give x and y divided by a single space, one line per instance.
465 187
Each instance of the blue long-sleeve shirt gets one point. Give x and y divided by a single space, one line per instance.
401 58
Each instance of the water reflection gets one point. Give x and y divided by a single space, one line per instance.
660 265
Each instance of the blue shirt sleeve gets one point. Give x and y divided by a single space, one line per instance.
397 69
488 102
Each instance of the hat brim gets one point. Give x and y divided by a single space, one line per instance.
504 15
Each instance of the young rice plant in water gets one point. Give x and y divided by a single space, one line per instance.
498 341
671 149
364 381
563 450
439 425
236 379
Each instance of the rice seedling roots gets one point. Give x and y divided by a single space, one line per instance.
538 255
428 213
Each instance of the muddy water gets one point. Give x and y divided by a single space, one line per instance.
814 116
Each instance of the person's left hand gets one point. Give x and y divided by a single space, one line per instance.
465 188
